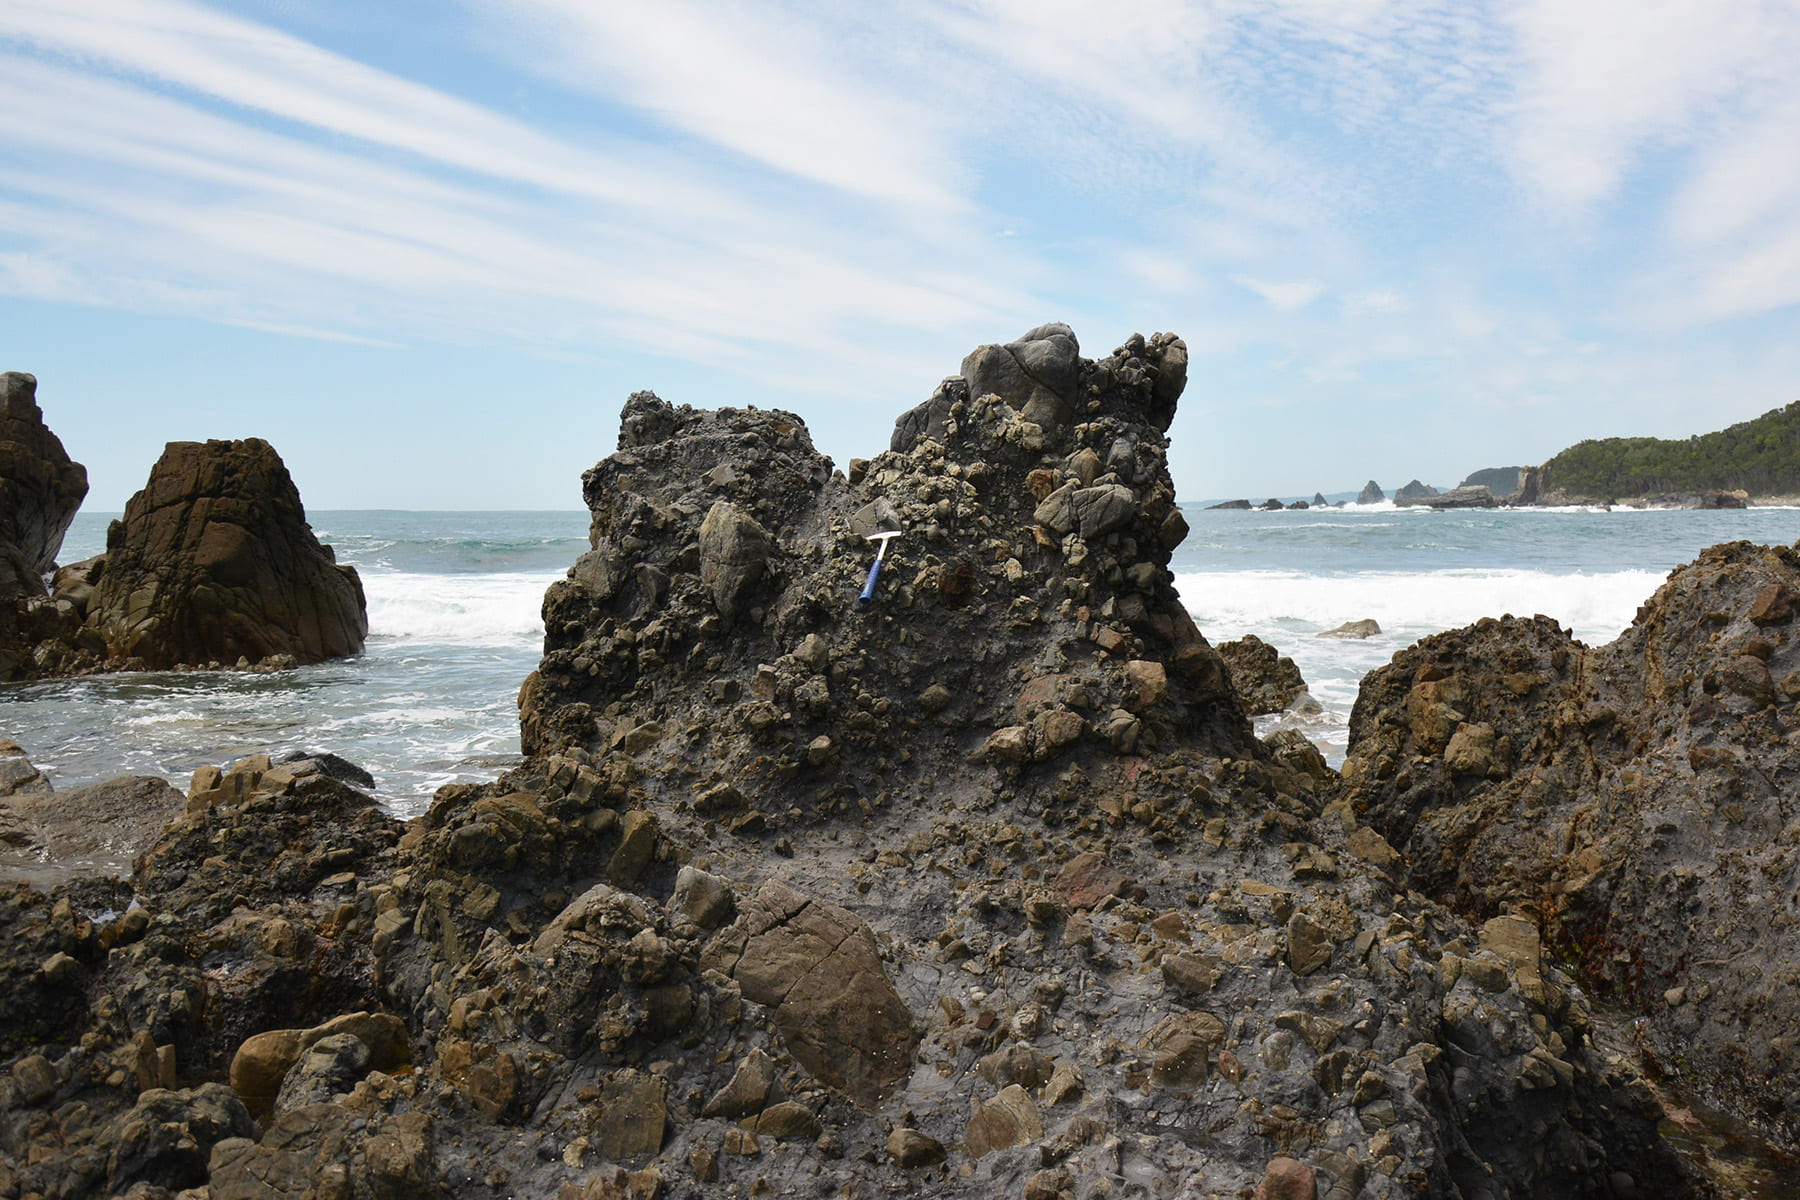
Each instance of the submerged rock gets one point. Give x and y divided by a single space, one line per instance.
214 563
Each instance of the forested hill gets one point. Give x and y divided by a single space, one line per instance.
1761 456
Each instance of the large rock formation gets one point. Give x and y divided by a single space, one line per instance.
1637 802
214 563
984 889
1413 491
40 491
1371 493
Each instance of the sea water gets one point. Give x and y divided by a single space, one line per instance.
1289 576
455 626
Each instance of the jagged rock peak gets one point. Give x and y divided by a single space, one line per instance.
1039 385
214 562
721 589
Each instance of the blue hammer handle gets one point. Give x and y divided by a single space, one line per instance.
868 592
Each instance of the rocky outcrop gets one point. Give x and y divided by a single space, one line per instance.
1472 496
1236 505
1409 493
1635 802
1371 493
983 889
40 492
214 564
1266 680
40 488
1318 500
1504 482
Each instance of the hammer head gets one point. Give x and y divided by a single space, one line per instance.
883 537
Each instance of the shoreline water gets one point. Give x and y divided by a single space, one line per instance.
455 628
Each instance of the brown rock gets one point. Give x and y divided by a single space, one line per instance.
817 966
734 552
910 1148
260 1064
1088 879
748 1090
1009 1119
214 561
1146 685
1287 1179
633 1113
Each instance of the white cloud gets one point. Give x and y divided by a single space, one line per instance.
1289 296
1604 82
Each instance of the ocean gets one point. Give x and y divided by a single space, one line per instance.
454 627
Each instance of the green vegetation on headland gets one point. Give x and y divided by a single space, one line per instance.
1760 456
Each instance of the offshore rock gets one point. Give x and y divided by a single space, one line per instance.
1371 493
1635 801
1413 492
214 563
1266 680
40 491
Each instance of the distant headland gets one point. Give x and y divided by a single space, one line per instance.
1753 462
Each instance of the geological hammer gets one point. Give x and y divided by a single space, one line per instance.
868 592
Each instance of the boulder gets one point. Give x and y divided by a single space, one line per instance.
1265 680
816 966
214 562
1367 627
734 551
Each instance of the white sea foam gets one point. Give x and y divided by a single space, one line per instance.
457 610
1229 604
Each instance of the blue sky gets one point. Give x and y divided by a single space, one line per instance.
427 249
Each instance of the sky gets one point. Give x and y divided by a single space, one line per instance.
428 249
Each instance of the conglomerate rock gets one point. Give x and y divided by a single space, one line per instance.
214 562
1640 802
984 889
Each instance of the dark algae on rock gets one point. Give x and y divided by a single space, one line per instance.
985 889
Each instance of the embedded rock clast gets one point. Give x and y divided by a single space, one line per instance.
214 563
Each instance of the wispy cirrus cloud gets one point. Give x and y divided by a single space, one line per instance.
1321 194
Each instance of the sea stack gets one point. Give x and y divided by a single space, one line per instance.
1371 493
40 491
214 564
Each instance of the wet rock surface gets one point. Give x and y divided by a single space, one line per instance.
1635 801
984 889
